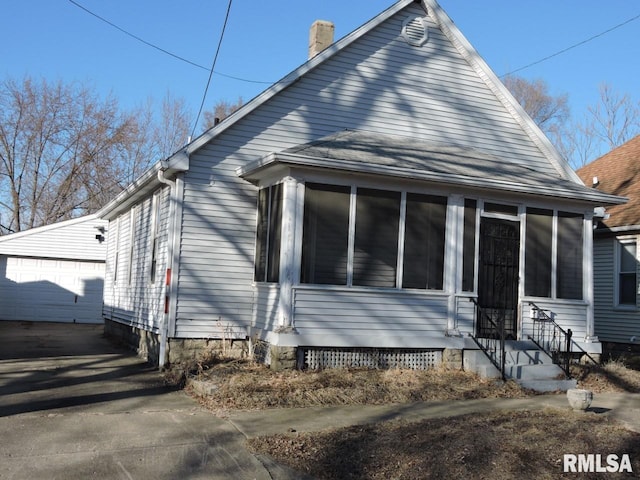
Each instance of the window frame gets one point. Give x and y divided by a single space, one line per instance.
555 252
270 271
400 234
154 242
619 242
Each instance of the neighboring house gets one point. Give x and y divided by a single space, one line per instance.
615 244
361 202
54 273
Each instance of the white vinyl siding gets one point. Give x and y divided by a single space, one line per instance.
72 240
50 290
133 299
322 310
568 314
54 273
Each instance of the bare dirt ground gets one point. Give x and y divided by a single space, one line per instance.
501 445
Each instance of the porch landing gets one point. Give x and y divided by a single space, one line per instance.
525 363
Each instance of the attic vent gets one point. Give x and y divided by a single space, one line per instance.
414 31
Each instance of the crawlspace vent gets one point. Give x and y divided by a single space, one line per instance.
319 358
414 31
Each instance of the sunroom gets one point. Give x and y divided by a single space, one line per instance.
387 242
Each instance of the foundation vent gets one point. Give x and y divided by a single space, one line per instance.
319 358
414 31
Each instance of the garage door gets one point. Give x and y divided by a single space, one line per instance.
51 290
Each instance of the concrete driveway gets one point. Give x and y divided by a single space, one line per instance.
74 406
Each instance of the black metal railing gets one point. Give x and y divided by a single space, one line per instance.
551 337
492 340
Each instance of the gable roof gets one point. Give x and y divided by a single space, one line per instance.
537 144
466 50
402 157
618 173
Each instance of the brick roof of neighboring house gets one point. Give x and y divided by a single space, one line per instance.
618 173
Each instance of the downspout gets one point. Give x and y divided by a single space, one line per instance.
164 326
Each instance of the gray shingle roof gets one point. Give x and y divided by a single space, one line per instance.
406 157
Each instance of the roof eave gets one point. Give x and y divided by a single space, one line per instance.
254 171
147 182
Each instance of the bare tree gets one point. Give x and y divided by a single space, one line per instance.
64 152
615 119
549 112
57 143
221 110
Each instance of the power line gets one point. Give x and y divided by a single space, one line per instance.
213 65
560 52
160 49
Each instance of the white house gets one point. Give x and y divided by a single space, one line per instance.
366 200
54 273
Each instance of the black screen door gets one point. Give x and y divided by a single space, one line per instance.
498 277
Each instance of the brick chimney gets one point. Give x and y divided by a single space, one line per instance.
320 37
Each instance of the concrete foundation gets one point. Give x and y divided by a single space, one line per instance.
283 358
179 350
145 344
452 359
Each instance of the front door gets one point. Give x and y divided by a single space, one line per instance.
498 278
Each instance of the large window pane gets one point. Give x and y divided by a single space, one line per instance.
325 238
538 253
268 235
469 245
423 262
627 283
261 235
569 274
275 229
376 243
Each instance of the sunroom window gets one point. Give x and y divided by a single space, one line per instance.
375 255
353 238
325 239
267 262
543 276
569 261
469 245
538 252
424 238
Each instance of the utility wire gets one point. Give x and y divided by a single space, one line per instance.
166 52
213 65
560 52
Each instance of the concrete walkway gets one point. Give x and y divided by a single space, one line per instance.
73 406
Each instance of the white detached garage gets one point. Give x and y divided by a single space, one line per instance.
54 273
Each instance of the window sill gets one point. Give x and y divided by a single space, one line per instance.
625 308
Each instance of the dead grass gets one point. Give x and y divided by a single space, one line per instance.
613 376
511 445
248 386
501 445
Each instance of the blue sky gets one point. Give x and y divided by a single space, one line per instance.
265 40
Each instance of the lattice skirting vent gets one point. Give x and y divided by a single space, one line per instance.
414 359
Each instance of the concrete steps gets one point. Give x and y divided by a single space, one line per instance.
527 365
